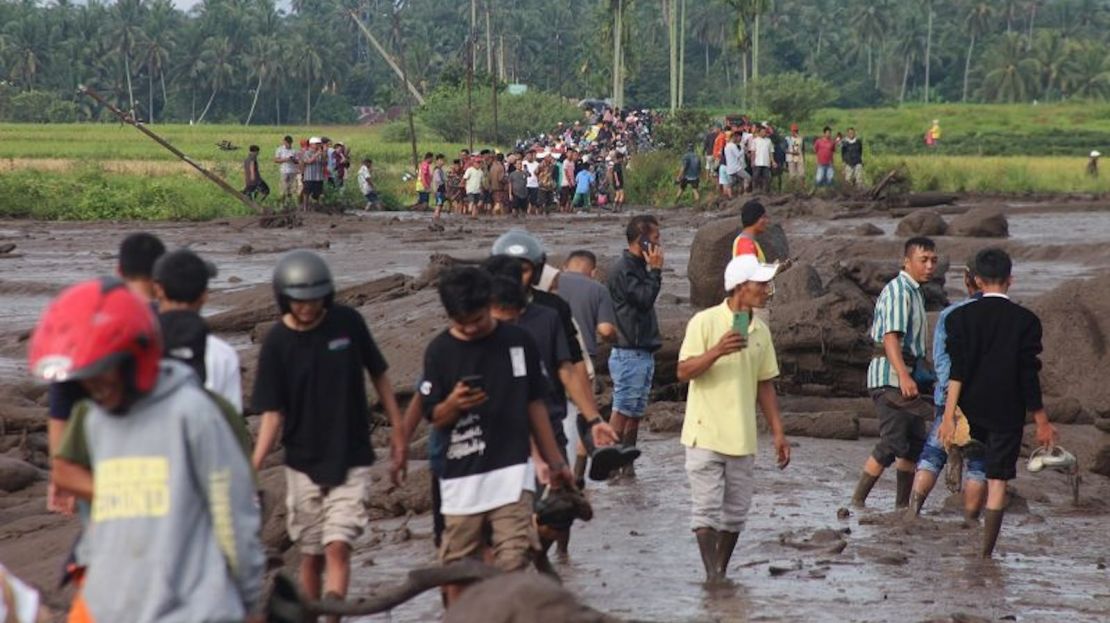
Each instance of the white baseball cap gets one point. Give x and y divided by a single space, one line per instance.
746 268
1095 154
315 140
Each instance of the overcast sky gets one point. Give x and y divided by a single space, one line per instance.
185 5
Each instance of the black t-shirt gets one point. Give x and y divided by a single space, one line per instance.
315 379
492 440
554 301
545 327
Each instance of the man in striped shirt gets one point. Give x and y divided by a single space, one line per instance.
898 332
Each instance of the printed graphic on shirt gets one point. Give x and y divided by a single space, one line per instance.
131 487
340 343
520 367
467 438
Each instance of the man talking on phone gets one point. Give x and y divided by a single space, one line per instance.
729 360
634 284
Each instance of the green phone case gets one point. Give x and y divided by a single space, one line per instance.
740 323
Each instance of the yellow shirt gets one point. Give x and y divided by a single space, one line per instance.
720 406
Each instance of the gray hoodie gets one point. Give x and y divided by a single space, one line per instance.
174 530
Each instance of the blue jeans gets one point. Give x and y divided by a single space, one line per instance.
631 371
934 457
824 175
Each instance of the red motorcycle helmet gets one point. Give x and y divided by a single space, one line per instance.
92 326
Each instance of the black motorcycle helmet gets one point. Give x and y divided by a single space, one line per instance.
302 276
522 245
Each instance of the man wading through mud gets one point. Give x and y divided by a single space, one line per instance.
634 284
935 455
311 392
995 345
729 360
897 368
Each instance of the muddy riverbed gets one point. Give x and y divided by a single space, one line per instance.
637 559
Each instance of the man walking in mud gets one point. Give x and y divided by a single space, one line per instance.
898 371
634 284
935 455
729 360
994 346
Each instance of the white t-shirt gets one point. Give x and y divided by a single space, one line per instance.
364 185
762 148
287 168
734 158
531 168
221 366
473 179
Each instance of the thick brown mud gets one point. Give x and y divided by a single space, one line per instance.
637 559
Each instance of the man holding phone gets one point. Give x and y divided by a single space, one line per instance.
634 284
729 360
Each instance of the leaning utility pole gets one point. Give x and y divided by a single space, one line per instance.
388 59
492 77
138 125
404 76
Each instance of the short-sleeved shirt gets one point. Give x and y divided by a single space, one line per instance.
282 153
487 462
531 168
747 245
590 303
583 181
315 379
473 179
543 324
899 309
942 362
691 166
518 183
720 406
547 299
824 148
313 171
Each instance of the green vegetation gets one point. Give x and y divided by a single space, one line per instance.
519 116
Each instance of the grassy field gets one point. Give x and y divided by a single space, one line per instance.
88 171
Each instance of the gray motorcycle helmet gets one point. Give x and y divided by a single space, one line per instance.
302 276
522 245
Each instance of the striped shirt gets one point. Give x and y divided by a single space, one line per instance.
900 309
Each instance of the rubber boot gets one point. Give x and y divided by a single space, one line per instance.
725 547
992 525
905 486
916 502
628 439
708 540
580 471
863 489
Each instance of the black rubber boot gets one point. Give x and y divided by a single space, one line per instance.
992 525
916 502
708 540
725 546
905 486
628 440
863 489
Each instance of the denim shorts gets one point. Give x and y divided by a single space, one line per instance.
631 371
934 457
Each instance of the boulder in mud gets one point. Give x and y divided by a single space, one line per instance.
1065 410
826 425
921 223
798 283
665 417
980 223
16 474
414 495
1075 319
522 596
711 251
1101 464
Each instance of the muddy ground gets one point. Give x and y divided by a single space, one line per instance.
797 561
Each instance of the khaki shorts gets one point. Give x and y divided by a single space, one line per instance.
513 535
287 183
321 515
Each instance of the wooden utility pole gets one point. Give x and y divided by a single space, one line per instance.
492 77
682 56
404 77
470 60
138 125
388 59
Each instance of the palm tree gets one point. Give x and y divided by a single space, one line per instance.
871 24
127 32
756 8
216 67
1087 73
308 65
909 49
928 46
22 43
261 63
1051 53
1011 76
977 21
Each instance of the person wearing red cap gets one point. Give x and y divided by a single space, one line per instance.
795 154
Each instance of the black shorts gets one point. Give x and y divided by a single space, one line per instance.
534 196
438 522
683 183
520 204
314 188
566 193
1002 451
487 196
902 430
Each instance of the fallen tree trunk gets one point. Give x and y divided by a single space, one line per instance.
824 425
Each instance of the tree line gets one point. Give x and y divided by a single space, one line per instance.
247 61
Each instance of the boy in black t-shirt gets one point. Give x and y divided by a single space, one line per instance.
310 389
484 387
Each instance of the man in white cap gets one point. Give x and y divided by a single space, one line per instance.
729 360
1092 164
313 172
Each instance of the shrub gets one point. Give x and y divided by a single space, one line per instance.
790 97
682 128
519 116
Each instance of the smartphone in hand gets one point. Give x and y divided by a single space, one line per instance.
740 321
474 381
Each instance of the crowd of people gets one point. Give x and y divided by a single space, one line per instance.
148 436
748 157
